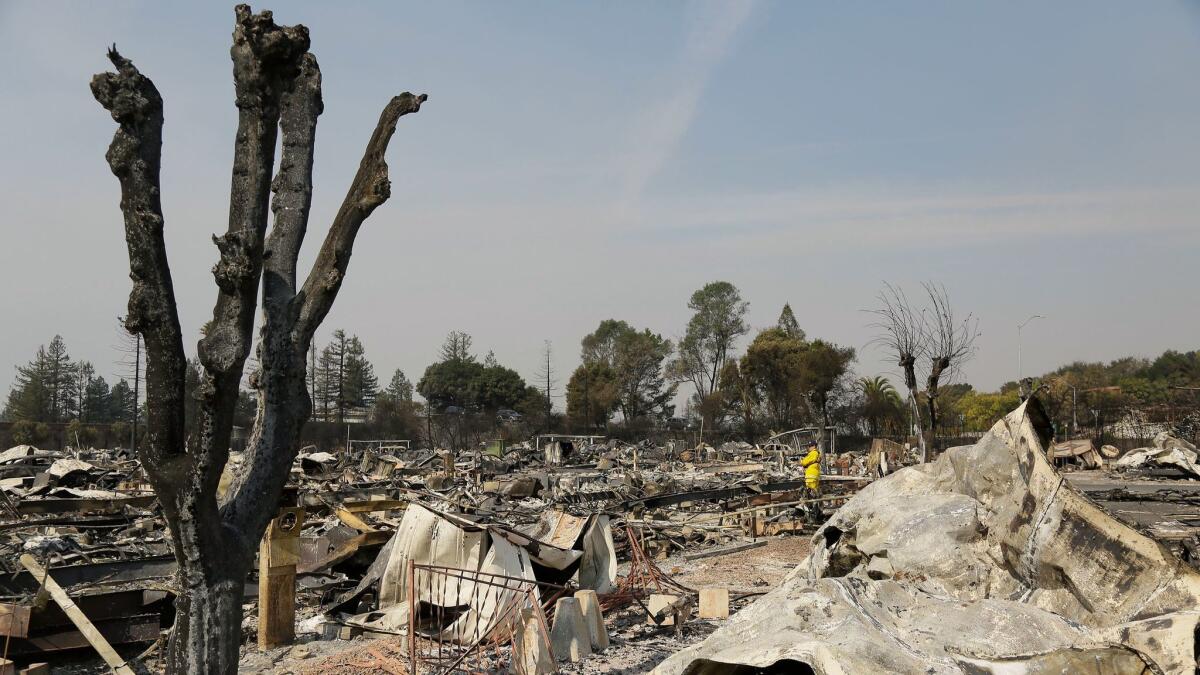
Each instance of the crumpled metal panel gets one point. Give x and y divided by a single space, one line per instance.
984 561
432 538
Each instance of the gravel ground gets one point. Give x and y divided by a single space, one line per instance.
637 647
757 569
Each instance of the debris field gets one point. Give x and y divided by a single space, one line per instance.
583 556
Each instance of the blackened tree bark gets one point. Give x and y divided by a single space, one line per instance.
949 343
933 333
278 87
903 334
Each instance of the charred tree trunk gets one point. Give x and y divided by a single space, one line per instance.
908 364
278 86
207 634
937 367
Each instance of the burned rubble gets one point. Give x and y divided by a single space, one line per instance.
987 560
531 525
586 555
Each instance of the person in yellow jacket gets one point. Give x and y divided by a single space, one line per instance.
812 469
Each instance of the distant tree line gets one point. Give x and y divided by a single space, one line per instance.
626 383
1079 394
343 380
53 389
783 380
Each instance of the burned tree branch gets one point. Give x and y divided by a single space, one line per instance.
135 158
949 343
266 60
283 399
901 331
370 188
301 104
284 403
903 334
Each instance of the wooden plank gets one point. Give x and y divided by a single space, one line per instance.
668 610
277 608
14 620
353 520
772 529
79 505
724 550
745 467
93 636
714 603
347 549
130 629
278 555
373 505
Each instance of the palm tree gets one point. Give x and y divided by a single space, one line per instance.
881 402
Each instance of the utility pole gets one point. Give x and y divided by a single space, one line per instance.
548 404
587 402
548 374
137 369
341 400
1074 419
312 371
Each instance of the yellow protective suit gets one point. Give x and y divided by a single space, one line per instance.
812 469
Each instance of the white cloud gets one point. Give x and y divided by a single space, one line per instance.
883 216
664 121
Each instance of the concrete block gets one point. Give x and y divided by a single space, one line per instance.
531 649
569 637
589 604
714 603
880 568
655 603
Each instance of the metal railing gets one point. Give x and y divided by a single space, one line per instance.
463 621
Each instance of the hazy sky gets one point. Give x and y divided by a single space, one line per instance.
577 162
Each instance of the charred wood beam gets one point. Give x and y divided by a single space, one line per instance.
711 495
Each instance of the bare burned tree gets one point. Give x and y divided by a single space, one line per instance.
902 333
933 337
278 87
949 343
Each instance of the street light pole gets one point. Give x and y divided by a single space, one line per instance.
1020 374
1074 419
